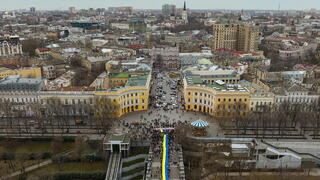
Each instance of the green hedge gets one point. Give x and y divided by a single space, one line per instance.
129 163
85 158
98 176
71 176
133 171
31 156
39 139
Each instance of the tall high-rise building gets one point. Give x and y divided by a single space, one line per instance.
72 10
169 10
33 9
185 13
236 37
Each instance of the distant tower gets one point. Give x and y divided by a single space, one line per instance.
185 13
72 10
33 9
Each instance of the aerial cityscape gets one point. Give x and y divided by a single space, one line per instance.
165 90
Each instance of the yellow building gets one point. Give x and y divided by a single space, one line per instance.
218 100
110 103
26 72
236 37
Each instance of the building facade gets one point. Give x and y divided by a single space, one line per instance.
26 72
166 57
215 99
168 10
236 37
10 46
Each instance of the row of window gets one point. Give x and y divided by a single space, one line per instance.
261 103
22 100
200 101
136 101
200 94
230 99
131 95
297 100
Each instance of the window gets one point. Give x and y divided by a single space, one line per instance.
142 100
188 99
224 99
114 100
200 94
219 100
136 100
79 101
136 94
196 94
66 101
73 101
229 100
189 93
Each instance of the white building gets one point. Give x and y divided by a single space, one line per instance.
296 95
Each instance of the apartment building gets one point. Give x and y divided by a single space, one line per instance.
236 37
10 45
25 72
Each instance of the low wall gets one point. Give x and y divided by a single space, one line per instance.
132 158
132 176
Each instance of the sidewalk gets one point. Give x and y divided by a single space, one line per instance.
30 168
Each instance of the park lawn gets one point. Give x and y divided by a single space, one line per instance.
71 168
133 171
32 147
4 165
129 163
137 178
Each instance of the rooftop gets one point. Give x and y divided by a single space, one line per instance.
119 75
217 85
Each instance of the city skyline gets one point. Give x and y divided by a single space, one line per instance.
145 4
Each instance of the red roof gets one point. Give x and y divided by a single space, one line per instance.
135 46
44 49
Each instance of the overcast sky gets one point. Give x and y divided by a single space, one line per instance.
156 4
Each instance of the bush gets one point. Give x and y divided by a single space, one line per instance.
92 157
2 138
69 176
32 156
46 155
68 139
7 156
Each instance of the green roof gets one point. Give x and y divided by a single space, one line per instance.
119 75
196 81
137 81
